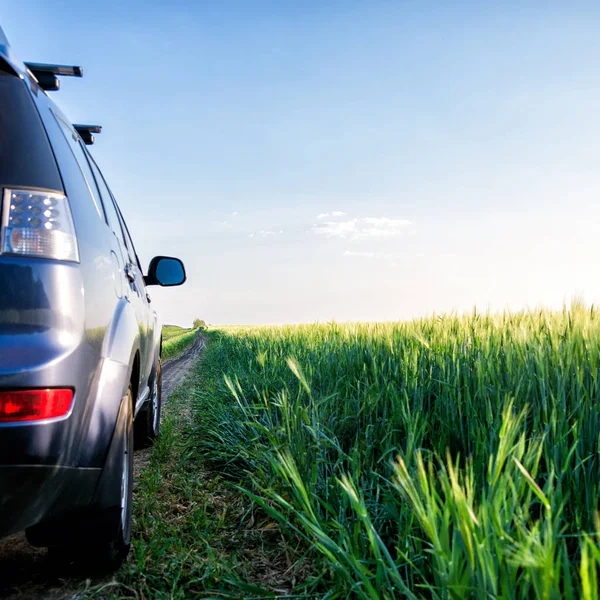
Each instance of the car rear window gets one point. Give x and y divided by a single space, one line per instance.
26 158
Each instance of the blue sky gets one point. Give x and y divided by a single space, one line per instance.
341 160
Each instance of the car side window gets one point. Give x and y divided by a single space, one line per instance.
114 212
109 207
73 139
132 253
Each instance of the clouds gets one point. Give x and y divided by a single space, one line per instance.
380 232
222 223
364 228
335 213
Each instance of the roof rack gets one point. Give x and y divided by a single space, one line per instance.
86 131
47 75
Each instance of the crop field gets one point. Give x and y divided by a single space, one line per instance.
450 457
176 340
171 331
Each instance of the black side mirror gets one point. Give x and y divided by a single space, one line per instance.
165 271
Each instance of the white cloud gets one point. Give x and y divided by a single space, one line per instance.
266 233
364 228
335 213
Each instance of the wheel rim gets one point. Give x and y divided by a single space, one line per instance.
125 490
155 405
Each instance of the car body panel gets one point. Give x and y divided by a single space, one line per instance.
41 320
31 493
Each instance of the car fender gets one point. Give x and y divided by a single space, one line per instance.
110 383
157 333
107 493
157 343
156 353
122 338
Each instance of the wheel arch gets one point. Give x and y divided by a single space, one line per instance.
134 379
120 366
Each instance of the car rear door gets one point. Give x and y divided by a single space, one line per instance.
135 269
135 291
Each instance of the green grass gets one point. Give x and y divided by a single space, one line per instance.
450 457
194 535
171 331
176 340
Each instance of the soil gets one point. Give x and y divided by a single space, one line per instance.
26 573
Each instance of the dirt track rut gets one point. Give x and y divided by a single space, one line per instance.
175 370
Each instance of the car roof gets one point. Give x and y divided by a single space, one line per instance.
8 58
3 39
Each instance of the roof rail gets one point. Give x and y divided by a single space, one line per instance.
86 131
3 40
47 75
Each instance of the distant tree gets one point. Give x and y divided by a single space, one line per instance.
199 324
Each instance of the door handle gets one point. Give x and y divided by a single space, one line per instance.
129 273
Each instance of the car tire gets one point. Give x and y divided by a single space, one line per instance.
147 423
99 542
111 553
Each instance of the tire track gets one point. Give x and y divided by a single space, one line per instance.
174 371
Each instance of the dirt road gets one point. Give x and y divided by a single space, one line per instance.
25 572
175 370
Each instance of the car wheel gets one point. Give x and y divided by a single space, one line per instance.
147 423
111 553
99 542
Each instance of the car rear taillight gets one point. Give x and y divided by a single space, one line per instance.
34 405
38 224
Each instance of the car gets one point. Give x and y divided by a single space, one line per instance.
80 343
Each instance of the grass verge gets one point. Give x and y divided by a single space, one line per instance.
171 331
175 345
195 535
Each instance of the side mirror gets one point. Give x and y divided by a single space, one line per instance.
165 271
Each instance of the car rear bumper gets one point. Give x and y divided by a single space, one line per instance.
32 493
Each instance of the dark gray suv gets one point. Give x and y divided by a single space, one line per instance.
80 366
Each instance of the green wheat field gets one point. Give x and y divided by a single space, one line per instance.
176 340
449 457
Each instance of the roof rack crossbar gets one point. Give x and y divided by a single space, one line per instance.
86 131
64 70
47 75
90 128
